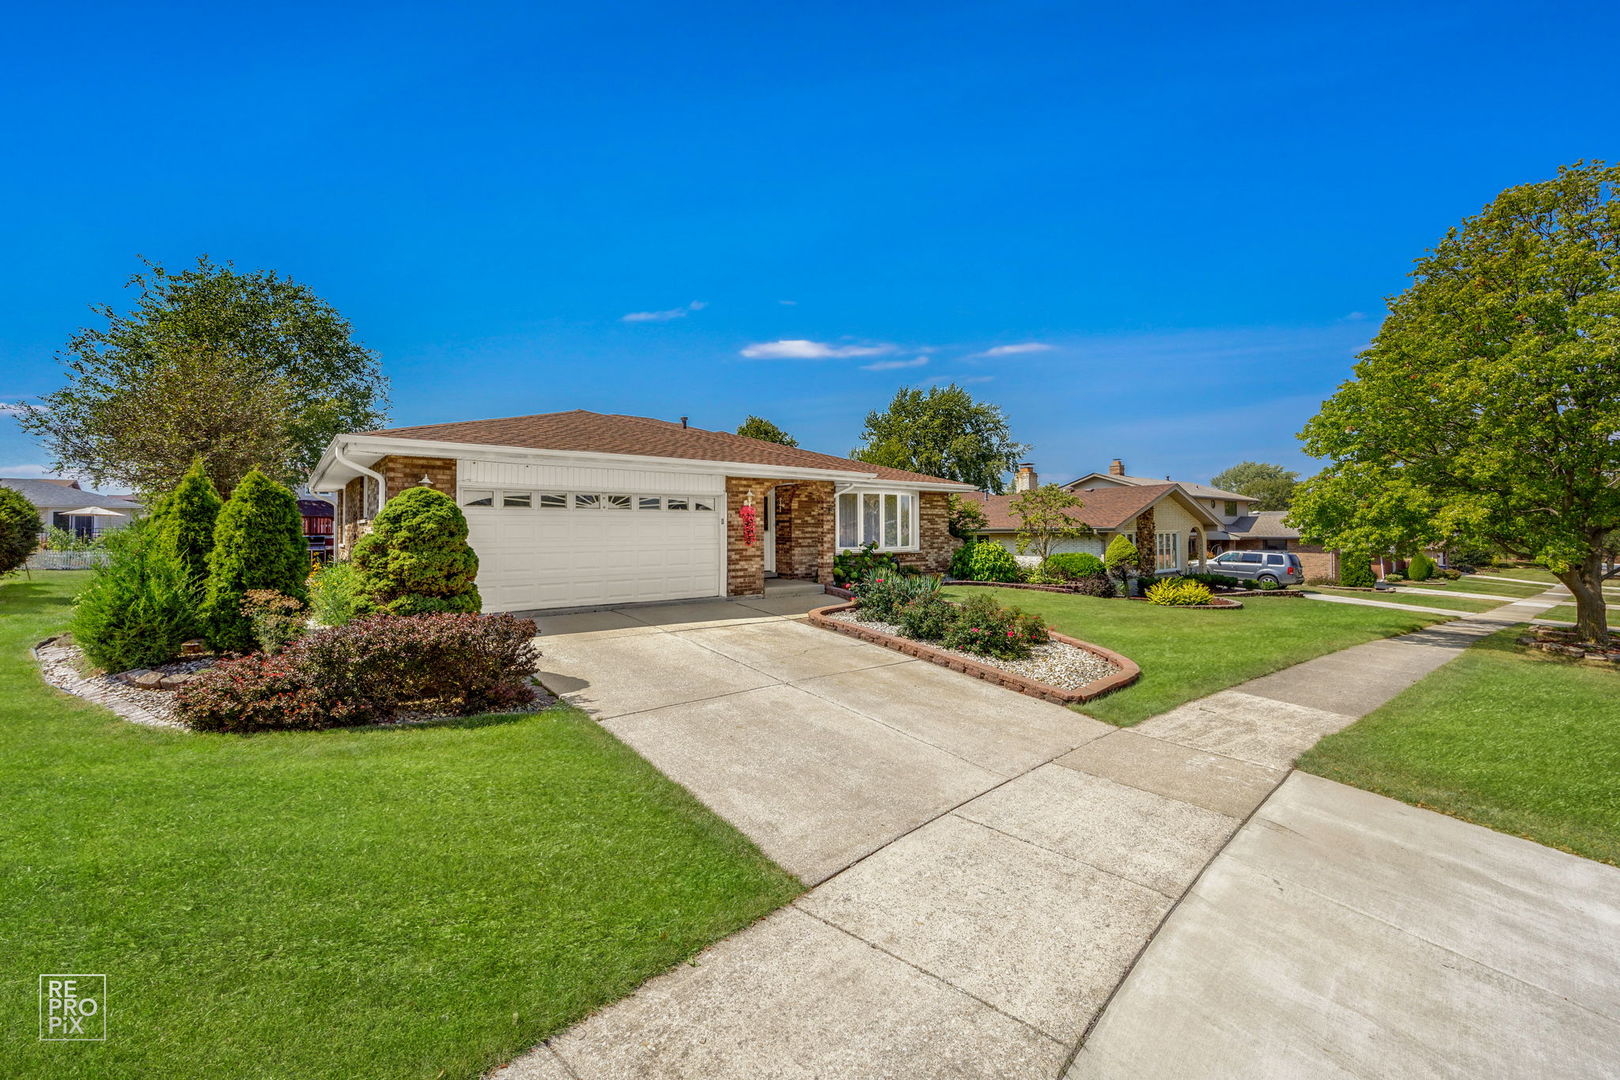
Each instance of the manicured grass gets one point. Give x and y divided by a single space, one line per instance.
1188 654
1522 742
417 902
1566 613
1526 573
1439 600
1507 589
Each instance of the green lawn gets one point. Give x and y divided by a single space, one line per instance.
1523 742
1524 573
1507 589
1566 613
1188 654
419 902
1440 600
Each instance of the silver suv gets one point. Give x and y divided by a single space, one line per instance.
1282 567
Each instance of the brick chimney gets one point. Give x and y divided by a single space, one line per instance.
1116 468
1024 479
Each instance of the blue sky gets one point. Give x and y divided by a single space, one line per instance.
1183 218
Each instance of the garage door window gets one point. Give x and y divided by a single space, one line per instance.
887 519
617 502
649 502
553 500
477 498
583 500
517 500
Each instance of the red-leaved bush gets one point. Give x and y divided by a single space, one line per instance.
368 671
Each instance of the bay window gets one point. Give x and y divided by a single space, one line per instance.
885 518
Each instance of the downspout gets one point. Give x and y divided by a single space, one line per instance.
382 484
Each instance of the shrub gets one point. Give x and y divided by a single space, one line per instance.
277 620
334 594
19 529
1356 571
139 606
1096 585
962 561
1072 566
1268 586
1420 568
1178 592
855 566
984 627
1219 581
1394 576
886 592
1450 574
1121 558
258 544
369 671
416 559
185 520
60 539
1321 579
992 562
926 618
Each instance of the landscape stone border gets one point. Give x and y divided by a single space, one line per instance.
1128 671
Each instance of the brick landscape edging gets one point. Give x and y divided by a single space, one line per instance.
1128 671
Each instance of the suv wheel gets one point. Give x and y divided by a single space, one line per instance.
1269 579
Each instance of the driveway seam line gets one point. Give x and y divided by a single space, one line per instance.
958 815
1042 1032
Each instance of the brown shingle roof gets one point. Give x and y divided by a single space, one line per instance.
610 433
1105 508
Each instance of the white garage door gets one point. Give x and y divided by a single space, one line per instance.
548 549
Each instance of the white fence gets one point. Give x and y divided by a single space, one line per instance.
66 560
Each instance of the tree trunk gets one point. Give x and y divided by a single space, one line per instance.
1585 581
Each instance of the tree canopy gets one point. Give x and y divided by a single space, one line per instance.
1044 519
1272 486
942 432
757 427
244 369
1486 409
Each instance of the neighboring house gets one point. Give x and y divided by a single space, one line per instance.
318 514
1161 519
579 509
56 498
1241 528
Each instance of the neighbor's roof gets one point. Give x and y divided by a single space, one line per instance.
316 508
1104 509
1197 491
610 433
52 493
1264 524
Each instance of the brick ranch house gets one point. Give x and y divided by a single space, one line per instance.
581 509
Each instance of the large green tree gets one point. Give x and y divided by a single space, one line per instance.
1487 407
1271 486
1044 519
757 427
942 431
243 369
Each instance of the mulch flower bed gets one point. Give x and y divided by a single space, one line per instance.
1561 642
1065 670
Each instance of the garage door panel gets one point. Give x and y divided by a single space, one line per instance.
537 558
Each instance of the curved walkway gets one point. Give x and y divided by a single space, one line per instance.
984 940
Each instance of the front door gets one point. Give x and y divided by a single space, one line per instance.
767 531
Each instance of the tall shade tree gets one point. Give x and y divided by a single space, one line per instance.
1044 518
243 369
1487 407
1271 486
757 427
942 431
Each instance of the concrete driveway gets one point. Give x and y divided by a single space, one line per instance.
820 748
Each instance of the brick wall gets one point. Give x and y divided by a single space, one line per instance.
805 523
745 563
406 472
1317 561
351 522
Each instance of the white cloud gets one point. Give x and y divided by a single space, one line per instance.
664 316
788 303
1014 350
1355 316
894 365
797 349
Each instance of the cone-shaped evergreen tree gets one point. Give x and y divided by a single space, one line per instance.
258 544
416 559
185 521
1121 557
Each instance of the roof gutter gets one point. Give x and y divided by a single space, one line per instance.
343 459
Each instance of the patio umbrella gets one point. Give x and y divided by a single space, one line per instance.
94 511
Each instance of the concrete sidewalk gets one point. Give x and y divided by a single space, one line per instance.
984 940
1343 934
1390 604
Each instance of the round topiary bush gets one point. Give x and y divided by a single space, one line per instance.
416 559
258 544
19 529
992 562
1420 568
1121 557
1072 566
